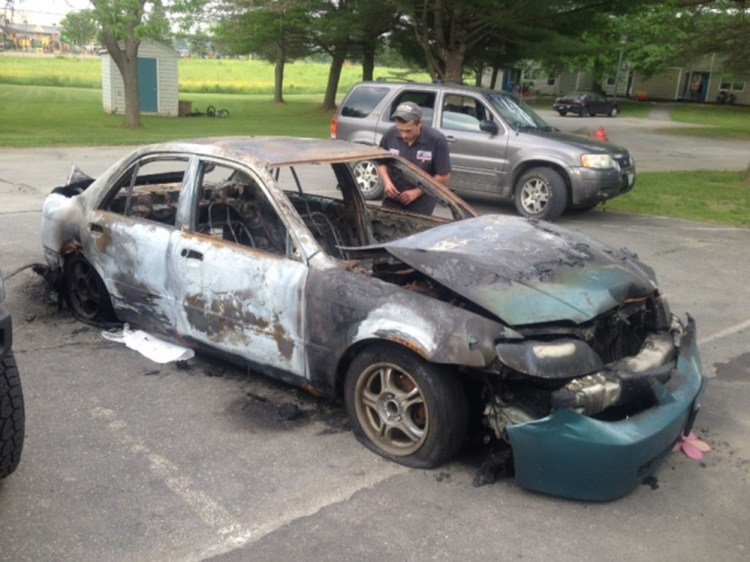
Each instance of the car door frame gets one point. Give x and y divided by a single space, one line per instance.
223 290
129 252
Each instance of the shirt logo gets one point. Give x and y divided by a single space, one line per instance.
424 155
393 151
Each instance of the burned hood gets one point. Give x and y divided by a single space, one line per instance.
524 271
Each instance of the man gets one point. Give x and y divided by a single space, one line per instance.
423 146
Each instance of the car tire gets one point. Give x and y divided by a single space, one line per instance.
85 291
614 112
368 179
563 113
12 416
541 194
405 409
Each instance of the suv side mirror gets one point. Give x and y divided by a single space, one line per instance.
488 126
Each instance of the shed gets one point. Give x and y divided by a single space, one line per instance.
158 80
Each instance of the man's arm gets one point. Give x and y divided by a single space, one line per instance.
390 190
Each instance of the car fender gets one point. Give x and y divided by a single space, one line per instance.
347 310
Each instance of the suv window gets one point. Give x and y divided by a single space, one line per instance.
463 113
425 100
363 100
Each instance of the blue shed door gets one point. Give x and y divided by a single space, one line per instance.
147 85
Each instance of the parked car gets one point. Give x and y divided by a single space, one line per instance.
585 104
263 251
12 413
499 146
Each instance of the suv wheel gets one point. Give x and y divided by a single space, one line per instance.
368 179
12 417
540 194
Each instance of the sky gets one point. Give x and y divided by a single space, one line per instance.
46 12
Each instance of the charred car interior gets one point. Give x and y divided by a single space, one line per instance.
262 251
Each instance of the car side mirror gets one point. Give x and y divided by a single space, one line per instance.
488 126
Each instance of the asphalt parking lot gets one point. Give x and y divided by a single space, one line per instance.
127 460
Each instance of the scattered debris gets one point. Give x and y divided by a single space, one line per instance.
651 482
149 346
692 447
499 463
290 412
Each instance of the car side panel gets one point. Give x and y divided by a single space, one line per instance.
240 301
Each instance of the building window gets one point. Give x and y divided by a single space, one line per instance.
728 84
551 80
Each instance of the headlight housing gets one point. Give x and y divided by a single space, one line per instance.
599 161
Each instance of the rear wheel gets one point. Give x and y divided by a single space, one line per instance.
86 292
404 408
368 179
12 416
540 194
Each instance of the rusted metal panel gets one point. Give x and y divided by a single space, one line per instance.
525 272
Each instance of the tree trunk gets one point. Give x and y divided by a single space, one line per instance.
334 74
278 77
493 80
454 64
126 60
368 61
132 95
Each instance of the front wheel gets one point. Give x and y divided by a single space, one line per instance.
404 408
12 416
86 292
540 194
563 113
368 179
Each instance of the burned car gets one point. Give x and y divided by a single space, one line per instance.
264 252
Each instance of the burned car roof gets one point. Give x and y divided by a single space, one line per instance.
277 151
560 351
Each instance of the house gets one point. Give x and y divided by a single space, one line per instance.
30 38
700 81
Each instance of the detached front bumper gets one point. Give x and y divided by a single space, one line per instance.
571 455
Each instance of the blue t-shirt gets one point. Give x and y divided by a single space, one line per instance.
429 152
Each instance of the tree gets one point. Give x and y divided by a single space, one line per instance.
122 25
275 30
451 31
79 28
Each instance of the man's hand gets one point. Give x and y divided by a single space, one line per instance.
409 196
390 190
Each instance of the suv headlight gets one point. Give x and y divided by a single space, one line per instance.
598 161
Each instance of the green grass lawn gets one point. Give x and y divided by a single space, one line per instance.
721 198
48 116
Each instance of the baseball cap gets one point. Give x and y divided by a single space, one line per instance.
408 111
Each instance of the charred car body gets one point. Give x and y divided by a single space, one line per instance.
263 251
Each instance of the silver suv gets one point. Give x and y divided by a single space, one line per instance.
499 146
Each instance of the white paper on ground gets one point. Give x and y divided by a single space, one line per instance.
150 346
